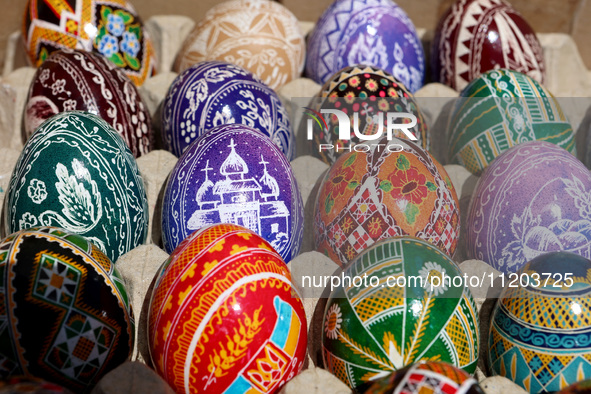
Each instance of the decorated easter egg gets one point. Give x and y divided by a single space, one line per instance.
540 332
475 36
260 35
22 384
531 200
397 188
66 311
426 377
394 308
213 93
234 174
373 32
224 316
498 110
111 28
371 93
77 173
78 80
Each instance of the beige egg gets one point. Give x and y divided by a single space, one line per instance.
261 36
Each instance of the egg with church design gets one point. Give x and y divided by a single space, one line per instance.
234 174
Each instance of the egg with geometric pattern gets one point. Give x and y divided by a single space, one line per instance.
393 307
391 188
540 330
67 312
224 315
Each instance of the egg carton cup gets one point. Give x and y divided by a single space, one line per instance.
567 78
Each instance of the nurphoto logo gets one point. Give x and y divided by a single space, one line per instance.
375 120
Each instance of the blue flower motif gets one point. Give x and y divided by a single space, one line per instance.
115 24
130 44
108 45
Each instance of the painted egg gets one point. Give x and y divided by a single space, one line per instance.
426 377
531 200
501 109
224 316
77 173
476 36
394 189
214 93
72 80
389 312
234 174
111 28
371 93
260 35
21 384
540 331
66 313
373 32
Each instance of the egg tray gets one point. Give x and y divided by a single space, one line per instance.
567 78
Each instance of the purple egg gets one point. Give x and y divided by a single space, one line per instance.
532 199
372 32
234 174
213 93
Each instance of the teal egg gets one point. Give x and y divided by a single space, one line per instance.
77 173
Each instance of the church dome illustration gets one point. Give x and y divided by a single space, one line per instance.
234 164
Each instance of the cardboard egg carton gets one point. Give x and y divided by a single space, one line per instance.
567 78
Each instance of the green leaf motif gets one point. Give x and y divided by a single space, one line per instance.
105 12
352 185
350 160
386 186
431 186
328 204
411 213
126 16
117 59
132 62
137 30
402 163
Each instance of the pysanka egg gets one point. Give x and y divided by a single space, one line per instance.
78 80
66 311
498 110
77 173
379 320
540 332
260 35
224 316
371 93
426 377
234 174
476 36
531 200
397 188
111 28
213 93
22 385
372 32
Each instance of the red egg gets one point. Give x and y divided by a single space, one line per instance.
224 316
476 36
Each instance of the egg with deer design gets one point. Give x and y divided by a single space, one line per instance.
77 173
234 174
224 315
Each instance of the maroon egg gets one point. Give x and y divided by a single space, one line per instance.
475 36
78 80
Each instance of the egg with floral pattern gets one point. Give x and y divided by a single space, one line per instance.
371 93
111 28
532 199
213 93
72 79
66 310
77 173
393 188
224 315
372 32
234 174
393 308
